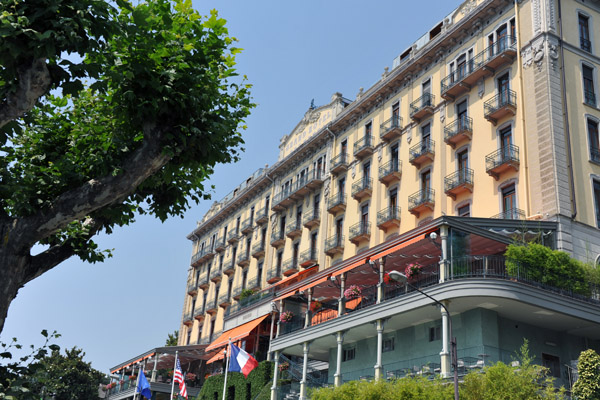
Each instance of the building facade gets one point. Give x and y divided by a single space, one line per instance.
484 130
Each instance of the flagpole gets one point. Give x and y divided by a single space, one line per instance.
226 366
173 378
137 384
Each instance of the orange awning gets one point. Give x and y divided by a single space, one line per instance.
350 267
133 362
236 333
314 283
216 357
298 276
399 246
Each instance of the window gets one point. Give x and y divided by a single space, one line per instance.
395 157
463 160
584 33
229 287
552 363
461 114
506 143
594 141
349 354
597 201
503 90
387 345
189 335
237 225
461 66
295 252
267 199
260 270
509 202
368 129
298 216
244 279
589 94
502 38
396 113
252 216
435 333
339 229
279 260
313 244
426 180
464 211
394 198
341 186
364 217
366 172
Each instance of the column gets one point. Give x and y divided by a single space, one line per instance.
342 302
445 354
444 264
337 378
308 314
275 377
271 335
381 284
156 359
305 348
280 312
379 366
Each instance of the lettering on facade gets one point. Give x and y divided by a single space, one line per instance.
313 122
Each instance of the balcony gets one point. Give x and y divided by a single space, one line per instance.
307 183
458 130
421 201
215 275
282 200
211 306
203 281
258 250
253 283
192 288
277 237
311 219
236 292
202 255
224 301
294 229
308 258
502 160
360 232
290 266
274 275
220 244
388 218
513 213
229 268
500 106
339 163
199 313
243 259
233 237
188 318
247 226
363 147
391 129
422 152
390 172
423 107
261 216
362 189
499 54
336 203
459 182
334 245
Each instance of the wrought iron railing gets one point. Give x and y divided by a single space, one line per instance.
393 123
362 184
388 214
335 200
334 241
427 100
362 228
462 124
421 197
421 148
311 215
389 168
501 156
339 160
363 143
463 176
505 98
590 97
308 255
512 213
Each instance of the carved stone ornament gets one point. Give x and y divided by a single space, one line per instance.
538 55
326 191
468 7
553 54
273 219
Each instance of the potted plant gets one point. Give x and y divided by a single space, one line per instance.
386 278
284 366
286 317
352 292
412 270
315 306
132 377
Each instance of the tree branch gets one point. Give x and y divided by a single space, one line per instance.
80 202
34 81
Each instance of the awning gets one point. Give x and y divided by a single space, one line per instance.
133 362
219 356
236 333
400 246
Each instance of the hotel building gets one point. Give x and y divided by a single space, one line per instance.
482 133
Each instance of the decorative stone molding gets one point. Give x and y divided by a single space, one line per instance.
481 88
468 7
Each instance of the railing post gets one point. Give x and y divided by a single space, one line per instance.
381 284
445 354
342 301
308 314
156 359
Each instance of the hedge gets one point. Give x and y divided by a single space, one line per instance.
238 387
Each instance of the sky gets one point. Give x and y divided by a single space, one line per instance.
294 51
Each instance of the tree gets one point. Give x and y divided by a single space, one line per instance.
172 339
587 386
106 112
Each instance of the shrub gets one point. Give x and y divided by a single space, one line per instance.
257 379
587 386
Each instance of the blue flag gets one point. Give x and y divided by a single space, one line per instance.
143 387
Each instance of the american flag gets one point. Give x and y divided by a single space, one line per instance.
178 377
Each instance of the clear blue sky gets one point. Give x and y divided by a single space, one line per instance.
293 52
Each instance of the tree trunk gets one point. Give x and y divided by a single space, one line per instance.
12 270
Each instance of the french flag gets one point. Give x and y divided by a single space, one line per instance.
241 361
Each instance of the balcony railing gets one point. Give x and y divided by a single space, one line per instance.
458 130
202 255
277 237
309 257
391 129
500 106
513 213
312 218
421 201
388 218
595 155
229 268
590 98
281 200
243 260
215 274
360 232
261 216
290 266
585 44
339 163
247 302
363 147
334 245
253 283
390 172
233 237
274 274
247 225
336 203
211 306
258 250
294 229
203 280
502 160
221 243
422 152
422 107
224 300
362 188
188 318
192 288
458 182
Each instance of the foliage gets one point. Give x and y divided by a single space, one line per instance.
256 381
39 374
109 110
550 267
286 316
352 292
246 293
406 388
412 270
587 386
172 339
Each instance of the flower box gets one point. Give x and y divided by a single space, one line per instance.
352 292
